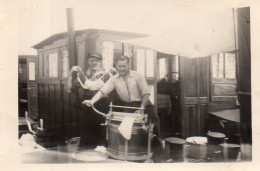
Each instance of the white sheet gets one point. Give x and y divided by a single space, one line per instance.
126 127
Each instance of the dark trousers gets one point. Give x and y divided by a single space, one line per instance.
91 131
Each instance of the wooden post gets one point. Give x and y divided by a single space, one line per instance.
71 39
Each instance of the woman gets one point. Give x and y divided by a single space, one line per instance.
83 88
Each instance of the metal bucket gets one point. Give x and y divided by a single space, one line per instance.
216 138
230 151
174 149
196 147
136 146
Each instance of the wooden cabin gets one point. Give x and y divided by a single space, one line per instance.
54 103
27 89
183 90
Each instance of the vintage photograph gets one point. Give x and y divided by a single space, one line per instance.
134 81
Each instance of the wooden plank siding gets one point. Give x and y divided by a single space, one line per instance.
55 107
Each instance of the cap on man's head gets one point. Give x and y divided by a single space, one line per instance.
94 55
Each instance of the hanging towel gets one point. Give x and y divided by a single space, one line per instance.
126 126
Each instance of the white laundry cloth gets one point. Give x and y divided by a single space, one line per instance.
28 144
126 127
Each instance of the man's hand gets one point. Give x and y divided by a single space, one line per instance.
87 103
137 111
140 110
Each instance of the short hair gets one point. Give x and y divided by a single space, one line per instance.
122 58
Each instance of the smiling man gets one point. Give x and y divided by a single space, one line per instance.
133 91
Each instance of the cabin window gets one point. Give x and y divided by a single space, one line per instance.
230 65
22 71
41 65
149 63
108 54
31 71
224 66
65 63
128 51
145 62
140 65
53 65
162 67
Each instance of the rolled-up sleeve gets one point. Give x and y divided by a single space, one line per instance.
108 87
143 86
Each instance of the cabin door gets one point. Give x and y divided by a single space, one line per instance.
194 77
32 88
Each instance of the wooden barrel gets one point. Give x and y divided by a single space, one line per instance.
136 146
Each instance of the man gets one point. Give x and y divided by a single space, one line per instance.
132 89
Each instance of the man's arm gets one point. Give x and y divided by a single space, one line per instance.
94 99
145 100
103 92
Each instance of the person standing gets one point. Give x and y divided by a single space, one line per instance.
87 84
133 91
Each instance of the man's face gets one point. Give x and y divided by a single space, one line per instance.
122 67
93 63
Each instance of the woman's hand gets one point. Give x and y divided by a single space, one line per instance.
88 103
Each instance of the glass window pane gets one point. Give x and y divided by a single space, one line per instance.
53 64
108 54
176 76
214 60
140 55
128 51
230 65
65 63
221 66
32 71
162 67
149 63
217 66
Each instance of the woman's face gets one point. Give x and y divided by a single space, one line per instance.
93 63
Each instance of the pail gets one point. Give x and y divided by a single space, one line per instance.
174 149
230 151
136 146
216 138
196 147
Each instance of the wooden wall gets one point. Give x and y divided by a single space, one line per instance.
55 108
54 103
244 81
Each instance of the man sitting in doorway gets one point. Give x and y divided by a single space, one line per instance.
133 91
